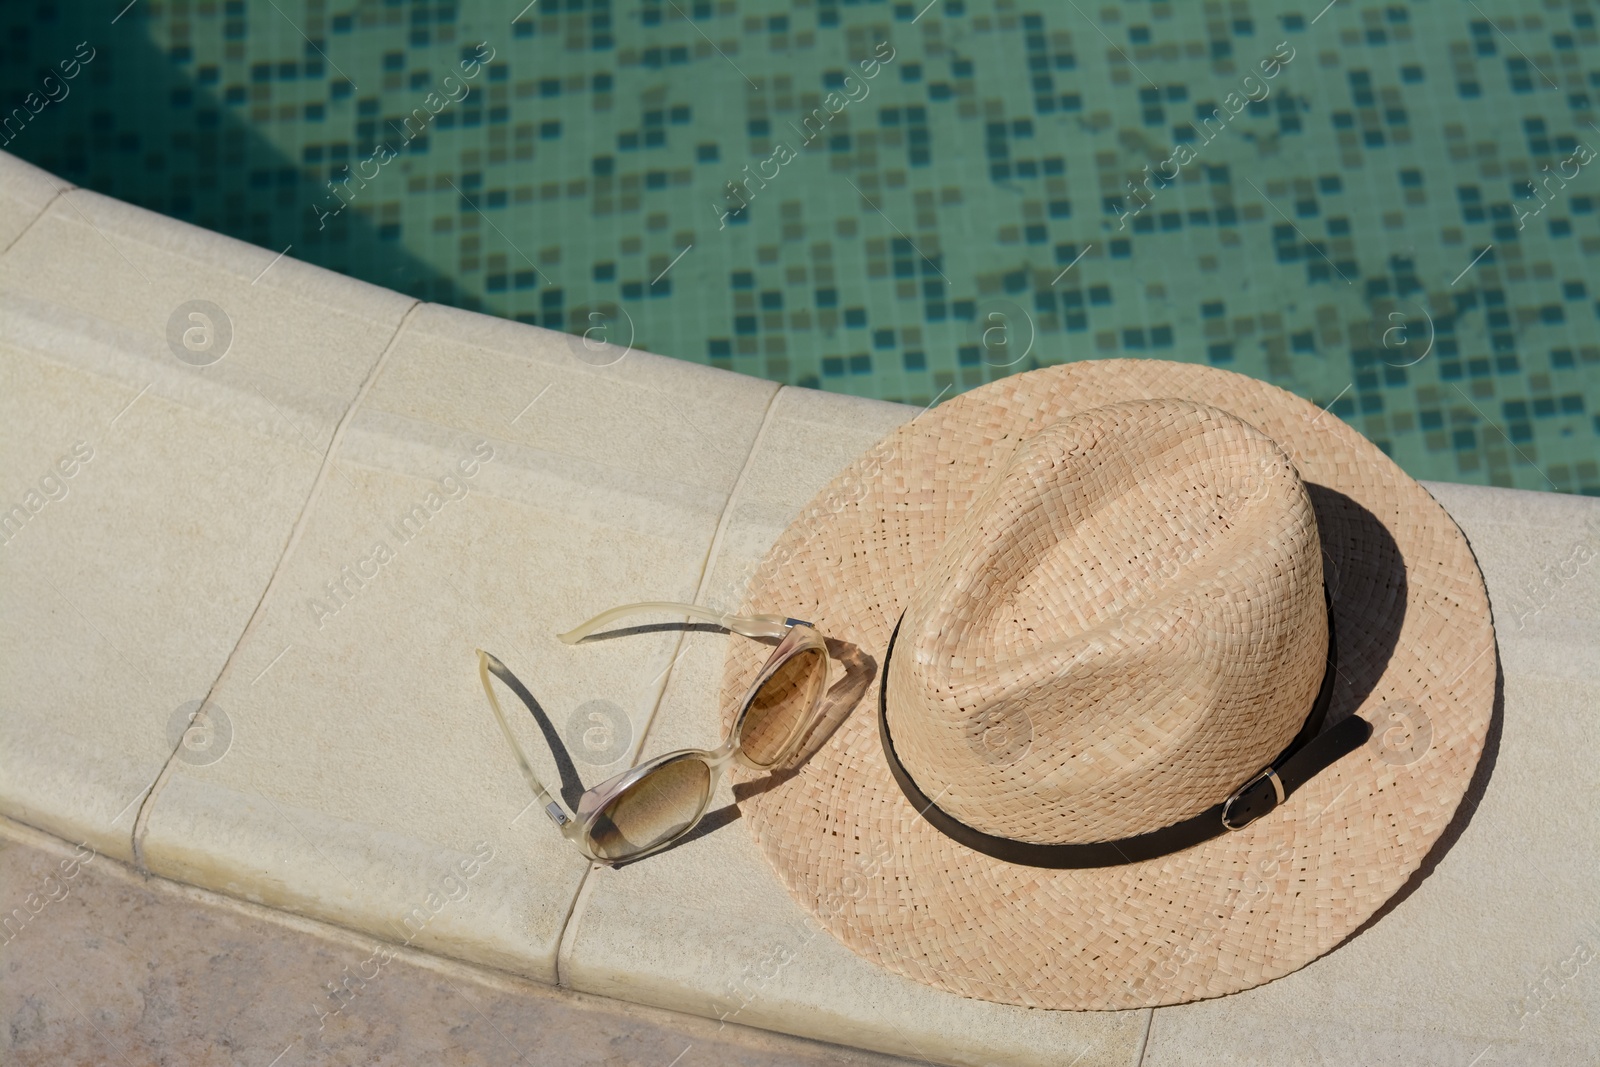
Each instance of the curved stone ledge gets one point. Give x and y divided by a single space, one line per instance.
313 533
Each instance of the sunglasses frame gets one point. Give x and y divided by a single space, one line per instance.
795 636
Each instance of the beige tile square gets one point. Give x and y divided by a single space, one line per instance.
129 579
365 763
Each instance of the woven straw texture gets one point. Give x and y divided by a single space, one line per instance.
1127 623
900 530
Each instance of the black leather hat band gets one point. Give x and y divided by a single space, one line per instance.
1306 756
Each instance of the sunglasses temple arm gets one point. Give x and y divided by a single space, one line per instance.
744 625
486 664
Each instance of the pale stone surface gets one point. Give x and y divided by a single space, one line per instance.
705 927
126 593
365 763
359 769
1494 955
199 979
25 191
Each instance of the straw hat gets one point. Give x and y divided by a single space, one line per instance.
1100 602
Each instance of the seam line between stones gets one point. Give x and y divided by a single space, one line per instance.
1144 1039
189 895
568 927
142 820
35 220
706 563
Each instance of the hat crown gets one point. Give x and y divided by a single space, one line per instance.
1127 623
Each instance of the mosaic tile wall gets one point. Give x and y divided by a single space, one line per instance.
1385 208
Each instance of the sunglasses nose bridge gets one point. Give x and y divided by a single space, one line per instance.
728 749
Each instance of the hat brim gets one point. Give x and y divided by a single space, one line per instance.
1416 659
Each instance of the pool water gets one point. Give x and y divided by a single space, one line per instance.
1388 209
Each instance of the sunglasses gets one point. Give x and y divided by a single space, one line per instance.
648 807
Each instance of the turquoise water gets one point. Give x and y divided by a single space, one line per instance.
1388 209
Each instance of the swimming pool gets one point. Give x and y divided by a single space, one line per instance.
1388 209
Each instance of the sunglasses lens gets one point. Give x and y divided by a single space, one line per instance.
656 808
781 705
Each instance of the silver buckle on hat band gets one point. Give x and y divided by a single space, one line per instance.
1227 805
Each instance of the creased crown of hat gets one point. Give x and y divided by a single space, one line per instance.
1128 622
